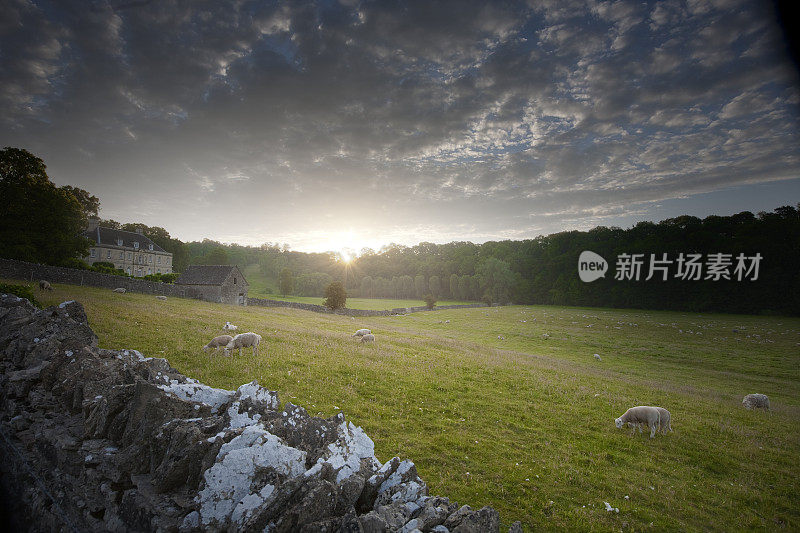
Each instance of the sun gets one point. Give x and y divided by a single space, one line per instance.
346 255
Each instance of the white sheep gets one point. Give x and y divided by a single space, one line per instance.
245 340
361 333
217 343
642 414
369 337
45 285
597 356
229 327
665 420
120 290
756 401
160 297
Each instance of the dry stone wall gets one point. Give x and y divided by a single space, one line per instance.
111 440
262 302
31 272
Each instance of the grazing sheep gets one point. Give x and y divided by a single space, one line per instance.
597 356
45 285
369 337
642 414
217 343
229 327
756 401
361 333
245 340
664 421
164 298
120 290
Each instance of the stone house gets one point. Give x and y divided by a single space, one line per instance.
216 283
129 251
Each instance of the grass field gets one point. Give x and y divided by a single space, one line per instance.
260 287
493 412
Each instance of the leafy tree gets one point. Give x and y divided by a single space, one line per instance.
430 300
454 286
434 286
89 203
39 222
496 279
366 287
285 282
218 256
335 296
419 285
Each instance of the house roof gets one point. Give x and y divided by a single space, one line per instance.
207 275
111 237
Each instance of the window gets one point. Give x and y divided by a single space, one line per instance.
149 271
130 257
119 242
122 255
234 281
151 258
158 271
129 271
135 245
150 247
158 259
93 252
108 255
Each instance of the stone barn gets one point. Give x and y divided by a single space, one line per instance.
216 283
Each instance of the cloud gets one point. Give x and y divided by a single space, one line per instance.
566 109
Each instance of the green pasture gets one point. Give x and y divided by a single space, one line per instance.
509 407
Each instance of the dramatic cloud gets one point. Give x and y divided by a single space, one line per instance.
399 121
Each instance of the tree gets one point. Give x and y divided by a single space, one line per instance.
218 256
335 296
89 203
430 300
496 279
39 222
285 282
454 294
434 286
419 285
366 287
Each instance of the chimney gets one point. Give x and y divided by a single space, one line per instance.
140 231
93 223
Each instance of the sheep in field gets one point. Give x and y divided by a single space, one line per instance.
229 327
369 337
642 414
245 340
756 401
120 290
45 285
664 421
160 297
217 343
361 333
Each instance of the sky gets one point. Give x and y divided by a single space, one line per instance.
327 124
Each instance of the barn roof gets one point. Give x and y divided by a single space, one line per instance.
207 275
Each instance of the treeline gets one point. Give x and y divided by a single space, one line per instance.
745 263
545 270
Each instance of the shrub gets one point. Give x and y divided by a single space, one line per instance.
430 301
335 296
23 291
487 299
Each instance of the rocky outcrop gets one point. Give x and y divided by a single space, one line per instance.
96 439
